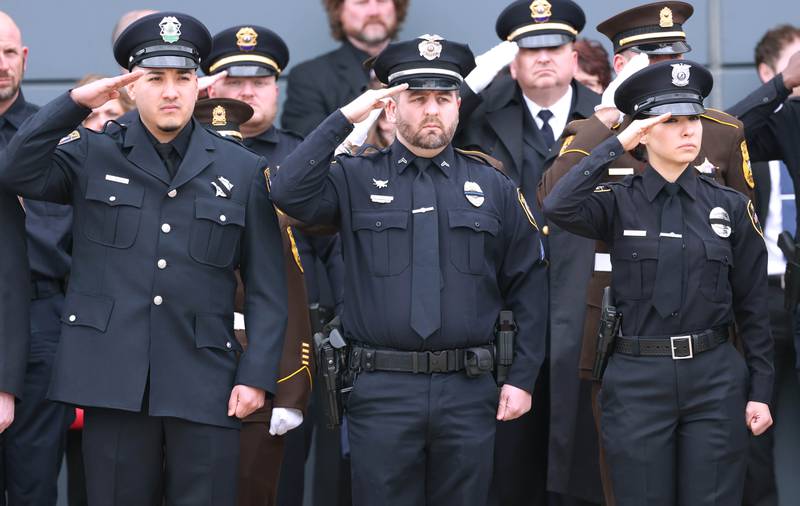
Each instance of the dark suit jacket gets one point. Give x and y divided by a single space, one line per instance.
318 87
762 190
129 319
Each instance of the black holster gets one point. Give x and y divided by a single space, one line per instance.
610 321
504 335
791 279
336 378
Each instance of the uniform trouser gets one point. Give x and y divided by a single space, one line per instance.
418 439
133 459
32 448
260 457
674 430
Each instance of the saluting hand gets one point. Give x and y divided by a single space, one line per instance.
245 400
205 82
99 92
758 417
631 136
514 402
791 74
359 109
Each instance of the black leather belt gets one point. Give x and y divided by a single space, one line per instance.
44 288
424 362
677 347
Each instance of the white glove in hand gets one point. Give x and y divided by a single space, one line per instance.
283 420
359 134
634 65
489 64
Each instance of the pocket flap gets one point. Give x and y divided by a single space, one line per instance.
633 250
114 194
86 310
215 331
220 211
718 251
379 221
477 221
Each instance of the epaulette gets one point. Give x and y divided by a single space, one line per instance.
480 156
722 118
72 136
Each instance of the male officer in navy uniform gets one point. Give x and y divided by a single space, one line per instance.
33 446
436 244
165 211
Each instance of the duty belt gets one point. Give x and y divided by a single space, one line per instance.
677 347
424 362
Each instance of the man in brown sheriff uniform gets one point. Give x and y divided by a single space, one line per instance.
651 32
262 441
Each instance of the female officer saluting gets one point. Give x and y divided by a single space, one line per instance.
687 257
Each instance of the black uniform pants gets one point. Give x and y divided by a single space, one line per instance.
32 448
418 439
674 430
133 459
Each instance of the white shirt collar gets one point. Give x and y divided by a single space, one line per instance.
560 112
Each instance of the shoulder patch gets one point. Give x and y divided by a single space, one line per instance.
602 188
751 210
527 210
566 144
746 167
73 136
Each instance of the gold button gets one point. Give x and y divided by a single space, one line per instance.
546 230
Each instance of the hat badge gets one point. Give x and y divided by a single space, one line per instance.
680 74
218 116
430 48
246 38
541 10
665 20
170 29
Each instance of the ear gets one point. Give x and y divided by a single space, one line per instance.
514 67
574 62
765 72
24 58
619 62
390 109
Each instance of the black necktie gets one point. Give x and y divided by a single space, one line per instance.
425 275
168 155
668 290
547 132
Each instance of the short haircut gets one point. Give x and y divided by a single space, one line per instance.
769 48
334 9
593 59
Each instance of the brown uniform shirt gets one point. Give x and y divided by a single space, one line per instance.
723 156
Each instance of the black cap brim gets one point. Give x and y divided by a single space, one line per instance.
168 62
676 109
429 83
249 71
544 40
663 48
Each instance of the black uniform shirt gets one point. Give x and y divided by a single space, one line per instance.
722 276
273 144
490 254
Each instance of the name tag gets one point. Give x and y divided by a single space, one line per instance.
602 262
634 233
381 199
117 179
620 171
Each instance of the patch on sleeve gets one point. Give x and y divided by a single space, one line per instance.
526 209
746 167
751 210
566 144
601 189
266 178
73 136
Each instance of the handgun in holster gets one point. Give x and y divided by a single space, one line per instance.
791 278
504 334
610 320
331 351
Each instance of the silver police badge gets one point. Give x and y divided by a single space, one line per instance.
720 222
430 48
170 29
473 193
680 74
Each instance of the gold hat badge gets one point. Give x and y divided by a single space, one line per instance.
541 10
246 38
218 116
665 18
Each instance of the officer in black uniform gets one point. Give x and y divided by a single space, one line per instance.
165 211
435 245
688 261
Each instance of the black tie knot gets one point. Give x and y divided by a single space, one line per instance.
164 150
672 189
421 164
545 115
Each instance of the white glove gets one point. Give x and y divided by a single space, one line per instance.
489 64
283 420
359 133
634 65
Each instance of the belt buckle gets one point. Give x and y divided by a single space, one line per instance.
437 361
672 344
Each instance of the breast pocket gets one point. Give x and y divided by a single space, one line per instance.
634 268
384 237
470 232
113 211
715 285
216 231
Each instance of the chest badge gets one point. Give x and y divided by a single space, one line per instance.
380 183
720 222
222 187
473 193
706 167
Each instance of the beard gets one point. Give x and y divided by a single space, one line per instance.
11 90
371 35
427 140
